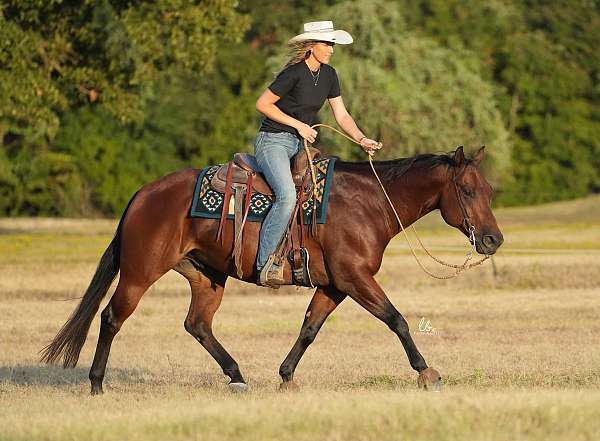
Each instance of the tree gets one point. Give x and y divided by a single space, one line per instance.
544 60
411 93
60 58
62 54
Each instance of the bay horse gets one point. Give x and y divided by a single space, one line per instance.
156 234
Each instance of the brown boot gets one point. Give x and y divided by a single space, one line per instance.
272 274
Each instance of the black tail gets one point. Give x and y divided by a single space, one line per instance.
71 337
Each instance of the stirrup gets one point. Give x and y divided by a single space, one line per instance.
298 259
273 278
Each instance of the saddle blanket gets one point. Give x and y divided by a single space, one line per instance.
208 203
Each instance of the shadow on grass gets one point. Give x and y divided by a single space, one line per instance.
43 375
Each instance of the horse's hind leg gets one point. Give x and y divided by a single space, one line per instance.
207 293
121 306
145 257
324 301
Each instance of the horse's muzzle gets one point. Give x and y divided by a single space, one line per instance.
489 243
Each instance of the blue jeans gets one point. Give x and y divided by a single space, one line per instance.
273 152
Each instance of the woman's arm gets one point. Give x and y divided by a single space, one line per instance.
266 105
347 123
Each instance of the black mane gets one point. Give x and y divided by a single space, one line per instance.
393 169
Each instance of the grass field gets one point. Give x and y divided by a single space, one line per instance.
518 346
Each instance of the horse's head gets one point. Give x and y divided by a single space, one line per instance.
466 202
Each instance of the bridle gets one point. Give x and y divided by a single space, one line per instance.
468 226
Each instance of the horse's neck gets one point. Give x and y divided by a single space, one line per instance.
416 193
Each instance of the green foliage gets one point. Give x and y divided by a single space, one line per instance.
113 162
60 58
210 117
99 97
544 60
42 182
411 93
189 121
556 124
29 98
63 53
274 22
8 183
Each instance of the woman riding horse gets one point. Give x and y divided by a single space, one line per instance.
290 104
156 234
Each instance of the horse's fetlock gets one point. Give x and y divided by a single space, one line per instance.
233 372
286 373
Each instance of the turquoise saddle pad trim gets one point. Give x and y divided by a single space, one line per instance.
208 203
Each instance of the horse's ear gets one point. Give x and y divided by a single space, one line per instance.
478 157
459 157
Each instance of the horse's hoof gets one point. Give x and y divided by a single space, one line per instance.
430 380
288 386
238 387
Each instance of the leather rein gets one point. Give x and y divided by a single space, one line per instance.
467 224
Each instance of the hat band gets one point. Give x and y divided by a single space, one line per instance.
320 30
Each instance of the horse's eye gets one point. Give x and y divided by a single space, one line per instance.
468 192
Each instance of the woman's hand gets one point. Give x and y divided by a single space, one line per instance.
307 132
370 145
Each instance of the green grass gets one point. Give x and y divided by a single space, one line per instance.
184 414
41 247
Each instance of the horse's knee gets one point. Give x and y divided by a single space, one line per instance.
308 335
400 326
394 320
397 323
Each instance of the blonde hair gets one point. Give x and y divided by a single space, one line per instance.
297 52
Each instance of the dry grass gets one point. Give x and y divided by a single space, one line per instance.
519 351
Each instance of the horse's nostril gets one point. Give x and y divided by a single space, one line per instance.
492 240
489 240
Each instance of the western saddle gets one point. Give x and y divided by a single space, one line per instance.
241 178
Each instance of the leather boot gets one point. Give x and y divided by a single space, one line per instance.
272 274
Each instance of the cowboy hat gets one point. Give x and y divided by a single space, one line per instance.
322 31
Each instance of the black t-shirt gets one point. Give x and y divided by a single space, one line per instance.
300 98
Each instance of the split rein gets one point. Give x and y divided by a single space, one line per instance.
469 227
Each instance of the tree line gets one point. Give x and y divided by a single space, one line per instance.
98 97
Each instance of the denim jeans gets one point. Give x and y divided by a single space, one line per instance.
273 152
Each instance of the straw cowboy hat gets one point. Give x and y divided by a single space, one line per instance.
322 31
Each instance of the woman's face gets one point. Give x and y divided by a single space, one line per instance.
322 51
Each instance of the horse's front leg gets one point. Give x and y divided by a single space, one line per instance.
363 288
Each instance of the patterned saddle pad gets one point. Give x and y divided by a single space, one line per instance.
208 203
